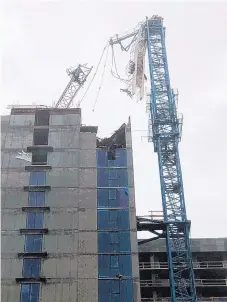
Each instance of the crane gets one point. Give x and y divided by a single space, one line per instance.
165 130
78 77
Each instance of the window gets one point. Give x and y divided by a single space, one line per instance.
112 174
37 178
33 243
29 292
31 268
114 261
112 194
36 198
35 220
41 136
39 158
42 118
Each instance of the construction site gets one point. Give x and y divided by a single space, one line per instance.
69 222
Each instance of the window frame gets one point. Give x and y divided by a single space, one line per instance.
37 178
31 267
31 247
36 198
33 291
34 224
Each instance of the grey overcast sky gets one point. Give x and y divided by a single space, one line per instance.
40 39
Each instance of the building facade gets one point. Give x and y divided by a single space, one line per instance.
68 210
210 269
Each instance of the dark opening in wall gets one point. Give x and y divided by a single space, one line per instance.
41 136
116 141
111 154
39 158
42 118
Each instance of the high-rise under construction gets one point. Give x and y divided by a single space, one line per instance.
68 210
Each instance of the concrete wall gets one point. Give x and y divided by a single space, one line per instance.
132 205
71 243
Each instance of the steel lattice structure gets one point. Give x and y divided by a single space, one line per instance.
78 77
166 128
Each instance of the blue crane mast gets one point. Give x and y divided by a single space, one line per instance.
165 127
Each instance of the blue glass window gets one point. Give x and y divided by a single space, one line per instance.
36 198
112 174
35 220
33 243
112 194
37 178
31 268
29 292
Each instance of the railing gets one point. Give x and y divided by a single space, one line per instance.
196 265
220 299
198 282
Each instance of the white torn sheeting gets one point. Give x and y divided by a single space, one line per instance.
24 156
136 80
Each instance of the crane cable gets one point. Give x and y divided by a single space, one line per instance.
101 82
106 47
114 64
78 104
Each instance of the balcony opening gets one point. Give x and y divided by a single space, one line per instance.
39 158
41 136
42 118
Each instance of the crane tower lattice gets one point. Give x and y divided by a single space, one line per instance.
165 130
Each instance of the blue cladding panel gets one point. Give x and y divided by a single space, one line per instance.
36 198
111 265
35 220
106 200
37 178
113 219
114 242
29 292
120 159
107 290
31 268
114 246
106 179
33 243
101 156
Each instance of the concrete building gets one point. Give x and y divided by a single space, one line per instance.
210 268
68 210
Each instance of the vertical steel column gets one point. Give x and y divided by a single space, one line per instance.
166 135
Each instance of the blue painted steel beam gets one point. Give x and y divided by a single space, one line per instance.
166 135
